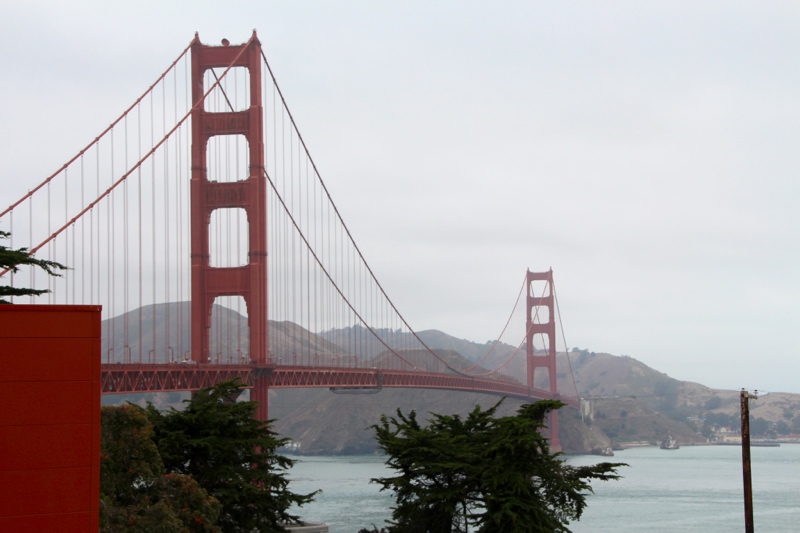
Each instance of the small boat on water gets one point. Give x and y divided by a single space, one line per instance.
669 443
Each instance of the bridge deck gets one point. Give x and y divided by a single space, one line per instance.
128 378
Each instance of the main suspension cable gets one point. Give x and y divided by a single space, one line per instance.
97 139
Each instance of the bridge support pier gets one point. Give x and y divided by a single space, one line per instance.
534 307
552 424
260 394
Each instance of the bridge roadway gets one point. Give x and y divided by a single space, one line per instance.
163 377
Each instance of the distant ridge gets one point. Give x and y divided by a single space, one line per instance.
627 401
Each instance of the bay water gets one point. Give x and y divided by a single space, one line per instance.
696 488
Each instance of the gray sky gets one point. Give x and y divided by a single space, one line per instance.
649 152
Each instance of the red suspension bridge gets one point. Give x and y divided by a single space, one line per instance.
201 224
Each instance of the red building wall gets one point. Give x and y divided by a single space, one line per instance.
49 418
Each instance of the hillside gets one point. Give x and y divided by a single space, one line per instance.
631 401
626 401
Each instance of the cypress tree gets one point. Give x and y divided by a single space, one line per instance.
232 455
482 472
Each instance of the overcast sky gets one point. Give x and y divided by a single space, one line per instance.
649 152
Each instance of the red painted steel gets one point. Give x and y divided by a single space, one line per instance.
122 378
50 421
548 330
24 375
248 281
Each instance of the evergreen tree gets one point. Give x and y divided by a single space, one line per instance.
482 472
11 260
135 494
220 443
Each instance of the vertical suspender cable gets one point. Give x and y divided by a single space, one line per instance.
285 237
49 245
328 313
270 221
226 233
152 357
316 270
246 257
112 246
181 347
67 277
293 271
96 283
83 240
167 299
125 341
307 259
11 245
187 151
30 242
97 193
139 225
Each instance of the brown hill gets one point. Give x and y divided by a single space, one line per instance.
624 400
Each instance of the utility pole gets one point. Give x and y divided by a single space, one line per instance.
745 398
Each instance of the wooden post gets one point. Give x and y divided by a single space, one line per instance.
748 484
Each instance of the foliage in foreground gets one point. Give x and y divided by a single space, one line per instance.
209 468
482 472
135 493
220 443
11 259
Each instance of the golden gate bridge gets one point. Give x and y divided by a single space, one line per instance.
200 222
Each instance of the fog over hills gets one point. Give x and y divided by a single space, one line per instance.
625 401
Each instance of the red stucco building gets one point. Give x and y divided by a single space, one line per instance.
49 418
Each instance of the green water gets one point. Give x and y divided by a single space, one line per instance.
690 489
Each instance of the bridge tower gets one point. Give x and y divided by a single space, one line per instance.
249 193
548 330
